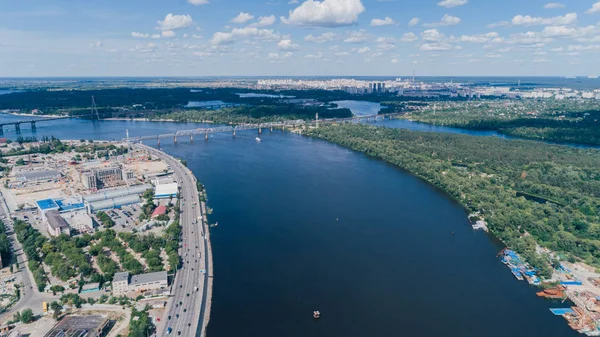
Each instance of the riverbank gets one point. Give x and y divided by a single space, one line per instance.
471 173
34 115
489 178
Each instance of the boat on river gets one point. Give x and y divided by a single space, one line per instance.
316 314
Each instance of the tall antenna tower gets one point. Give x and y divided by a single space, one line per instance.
413 76
95 109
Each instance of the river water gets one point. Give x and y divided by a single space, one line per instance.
307 225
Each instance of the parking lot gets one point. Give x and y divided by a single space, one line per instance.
125 218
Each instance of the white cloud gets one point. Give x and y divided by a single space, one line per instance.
529 39
203 53
363 50
314 56
242 18
198 2
287 44
556 50
173 22
382 22
343 53
413 22
527 20
446 20
356 37
97 44
220 38
139 35
155 36
569 32
432 35
491 37
552 5
326 13
168 33
264 21
148 48
395 61
595 8
438 46
583 48
492 55
452 3
262 34
329 36
409 37
277 56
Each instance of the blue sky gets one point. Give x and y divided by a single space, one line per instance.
299 37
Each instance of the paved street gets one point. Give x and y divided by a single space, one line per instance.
30 296
186 310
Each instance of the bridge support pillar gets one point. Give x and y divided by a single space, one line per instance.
175 139
158 141
233 133
33 126
271 129
18 128
259 131
206 136
191 139
1 130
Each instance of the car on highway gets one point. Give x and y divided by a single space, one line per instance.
169 330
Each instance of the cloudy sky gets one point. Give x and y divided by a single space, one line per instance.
298 37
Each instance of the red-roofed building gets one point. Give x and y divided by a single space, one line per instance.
160 210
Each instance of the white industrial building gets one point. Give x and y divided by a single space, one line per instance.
80 221
41 175
115 198
165 189
124 284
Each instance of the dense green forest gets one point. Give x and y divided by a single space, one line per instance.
255 114
568 121
528 192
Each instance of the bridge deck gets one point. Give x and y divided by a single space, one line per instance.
240 127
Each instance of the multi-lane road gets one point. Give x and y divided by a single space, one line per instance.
189 304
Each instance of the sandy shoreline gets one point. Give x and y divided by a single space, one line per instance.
34 115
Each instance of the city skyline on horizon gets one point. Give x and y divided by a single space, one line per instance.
329 38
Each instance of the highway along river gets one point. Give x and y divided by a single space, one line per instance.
307 225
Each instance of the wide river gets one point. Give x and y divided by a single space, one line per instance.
307 225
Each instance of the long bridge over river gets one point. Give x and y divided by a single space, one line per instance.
260 127
32 122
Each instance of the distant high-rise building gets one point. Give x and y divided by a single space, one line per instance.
378 87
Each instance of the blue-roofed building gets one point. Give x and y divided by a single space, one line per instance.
69 205
46 205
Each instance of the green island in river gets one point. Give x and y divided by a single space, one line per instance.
530 193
